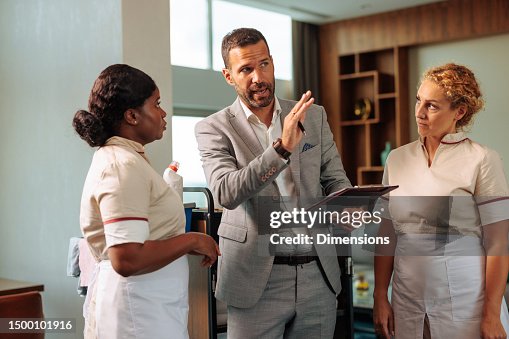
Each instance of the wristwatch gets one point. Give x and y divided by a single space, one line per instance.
278 146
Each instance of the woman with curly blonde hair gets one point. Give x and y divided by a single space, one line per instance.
450 221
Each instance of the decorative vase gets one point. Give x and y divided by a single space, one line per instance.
385 153
362 108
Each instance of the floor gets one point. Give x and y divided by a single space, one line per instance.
356 336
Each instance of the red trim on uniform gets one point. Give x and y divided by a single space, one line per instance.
123 219
493 200
452 143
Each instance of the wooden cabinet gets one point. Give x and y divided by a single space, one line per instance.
372 110
20 299
9 287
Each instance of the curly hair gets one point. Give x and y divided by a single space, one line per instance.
460 87
240 37
118 88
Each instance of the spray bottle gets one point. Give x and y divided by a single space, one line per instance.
173 179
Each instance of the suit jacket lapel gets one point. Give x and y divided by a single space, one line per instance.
240 124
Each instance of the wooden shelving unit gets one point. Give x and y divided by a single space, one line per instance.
380 77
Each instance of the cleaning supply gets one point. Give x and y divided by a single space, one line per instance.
173 179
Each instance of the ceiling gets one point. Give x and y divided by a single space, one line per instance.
323 11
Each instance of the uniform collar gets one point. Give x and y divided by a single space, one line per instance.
119 141
450 139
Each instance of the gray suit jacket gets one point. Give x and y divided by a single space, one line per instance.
238 170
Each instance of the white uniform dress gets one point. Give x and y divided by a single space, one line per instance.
439 264
124 201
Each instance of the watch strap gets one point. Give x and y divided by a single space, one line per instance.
278 146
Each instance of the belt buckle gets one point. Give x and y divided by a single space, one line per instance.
295 260
292 260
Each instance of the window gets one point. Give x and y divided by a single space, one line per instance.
189 34
185 150
198 26
276 28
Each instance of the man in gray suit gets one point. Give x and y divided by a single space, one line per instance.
256 148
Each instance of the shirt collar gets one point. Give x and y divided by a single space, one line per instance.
251 117
119 141
449 139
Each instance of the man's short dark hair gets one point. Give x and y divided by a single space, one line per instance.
240 37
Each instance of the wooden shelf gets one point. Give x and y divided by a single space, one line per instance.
371 169
380 76
358 122
382 96
358 75
369 174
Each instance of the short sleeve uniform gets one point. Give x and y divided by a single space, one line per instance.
122 186
124 201
438 212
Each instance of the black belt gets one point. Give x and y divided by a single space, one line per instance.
293 260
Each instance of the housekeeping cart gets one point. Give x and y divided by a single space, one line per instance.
203 308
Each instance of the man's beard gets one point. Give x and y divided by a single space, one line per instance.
248 95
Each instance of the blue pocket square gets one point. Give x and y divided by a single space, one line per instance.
307 147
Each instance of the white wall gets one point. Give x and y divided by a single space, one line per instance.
50 54
146 45
487 58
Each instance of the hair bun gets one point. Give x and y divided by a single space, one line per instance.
89 128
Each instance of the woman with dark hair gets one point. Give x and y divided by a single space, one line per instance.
132 221
451 220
